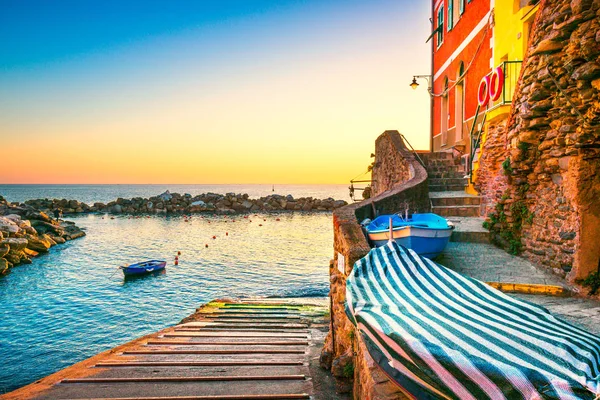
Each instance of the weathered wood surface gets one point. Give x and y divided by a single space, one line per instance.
245 349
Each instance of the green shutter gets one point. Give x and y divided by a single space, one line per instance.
461 6
450 15
440 35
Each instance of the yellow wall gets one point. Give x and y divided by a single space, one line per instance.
511 32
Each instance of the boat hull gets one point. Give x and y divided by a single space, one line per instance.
426 234
144 268
425 242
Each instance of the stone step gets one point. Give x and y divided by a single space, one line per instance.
445 168
439 155
448 181
443 163
469 230
459 211
456 201
446 175
446 188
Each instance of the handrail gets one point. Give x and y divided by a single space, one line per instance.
412 149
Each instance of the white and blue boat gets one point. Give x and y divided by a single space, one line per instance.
143 267
427 234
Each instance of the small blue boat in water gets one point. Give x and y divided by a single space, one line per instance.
143 267
426 234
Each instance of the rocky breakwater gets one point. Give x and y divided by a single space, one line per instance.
167 203
25 232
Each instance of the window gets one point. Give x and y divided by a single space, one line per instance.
459 102
450 15
461 6
440 27
445 115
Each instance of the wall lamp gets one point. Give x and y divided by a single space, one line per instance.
414 84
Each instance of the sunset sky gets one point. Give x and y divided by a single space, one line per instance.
220 91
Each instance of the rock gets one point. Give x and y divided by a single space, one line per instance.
4 249
14 256
342 366
588 71
166 196
16 244
3 266
45 227
547 46
326 359
8 226
73 232
39 244
198 203
30 253
14 218
58 239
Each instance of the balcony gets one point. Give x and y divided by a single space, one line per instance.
511 70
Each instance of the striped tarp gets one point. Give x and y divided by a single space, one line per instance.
441 335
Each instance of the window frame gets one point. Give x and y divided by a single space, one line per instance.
450 16
440 25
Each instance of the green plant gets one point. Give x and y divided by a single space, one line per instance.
348 370
592 281
514 242
523 146
506 167
487 225
351 335
523 189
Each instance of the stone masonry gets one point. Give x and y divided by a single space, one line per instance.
540 176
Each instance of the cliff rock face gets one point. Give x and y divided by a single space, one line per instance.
541 174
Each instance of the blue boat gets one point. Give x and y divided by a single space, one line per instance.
426 234
143 267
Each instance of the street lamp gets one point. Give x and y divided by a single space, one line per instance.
414 84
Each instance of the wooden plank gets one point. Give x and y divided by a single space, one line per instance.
198 363
249 317
156 379
238 325
237 329
191 343
246 351
287 396
258 335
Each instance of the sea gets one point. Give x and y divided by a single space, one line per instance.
73 302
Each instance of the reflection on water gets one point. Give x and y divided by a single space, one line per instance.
73 303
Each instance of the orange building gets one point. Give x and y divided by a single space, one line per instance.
462 56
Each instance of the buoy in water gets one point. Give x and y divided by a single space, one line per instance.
226 233
206 245
178 253
214 237
259 224
277 219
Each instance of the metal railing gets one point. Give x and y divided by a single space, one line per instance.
511 70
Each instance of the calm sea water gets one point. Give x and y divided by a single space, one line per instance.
72 303
105 193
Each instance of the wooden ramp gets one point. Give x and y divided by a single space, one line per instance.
247 349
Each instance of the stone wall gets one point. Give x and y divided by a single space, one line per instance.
550 209
491 183
389 166
342 351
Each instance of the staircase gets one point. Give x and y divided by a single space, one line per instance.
447 185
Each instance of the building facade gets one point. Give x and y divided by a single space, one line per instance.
462 54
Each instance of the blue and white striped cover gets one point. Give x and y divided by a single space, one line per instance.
441 335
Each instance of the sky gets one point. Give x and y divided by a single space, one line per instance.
220 91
